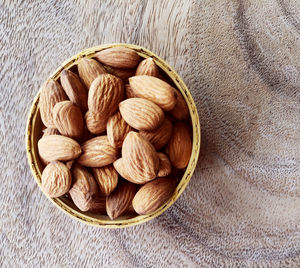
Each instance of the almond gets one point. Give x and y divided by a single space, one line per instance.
141 114
50 131
98 205
153 195
124 74
56 179
57 147
128 92
51 93
95 122
155 90
179 147
117 129
118 57
120 166
107 179
181 110
89 70
164 165
105 94
68 119
140 158
120 199
69 164
97 152
160 136
147 67
74 89
84 188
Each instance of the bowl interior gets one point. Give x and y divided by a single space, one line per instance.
34 133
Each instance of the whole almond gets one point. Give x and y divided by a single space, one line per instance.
98 205
153 195
124 74
51 93
141 114
121 167
160 136
147 67
140 158
120 199
179 147
97 152
181 110
155 90
56 179
128 92
164 165
68 119
84 188
95 122
107 179
57 147
117 129
89 70
118 57
74 89
50 131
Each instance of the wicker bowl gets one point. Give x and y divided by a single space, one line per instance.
34 132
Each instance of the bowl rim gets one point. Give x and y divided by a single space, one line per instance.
34 110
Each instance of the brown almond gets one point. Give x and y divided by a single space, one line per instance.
74 89
56 179
164 165
128 92
98 205
84 188
118 57
124 74
50 131
160 136
51 93
107 179
179 147
57 147
95 122
117 129
120 166
120 199
69 164
68 119
89 70
181 110
139 158
155 90
141 114
147 67
153 195
97 152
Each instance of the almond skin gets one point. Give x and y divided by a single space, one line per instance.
97 152
141 114
121 167
181 110
118 57
147 67
50 131
107 179
155 90
98 205
84 188
124 74
128 92
105 94
95 122
74 89
120 199
68 119
51 93
153 195
57 147
179 147
160 136
164 165
117 129
89 70
56 179
139 158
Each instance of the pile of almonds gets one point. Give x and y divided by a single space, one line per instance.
116 134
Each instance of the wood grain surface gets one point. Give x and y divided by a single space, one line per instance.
241 61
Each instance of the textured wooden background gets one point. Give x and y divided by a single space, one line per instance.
240 59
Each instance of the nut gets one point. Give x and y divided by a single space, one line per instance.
95 123
181 110
107 179
147 67
164 165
